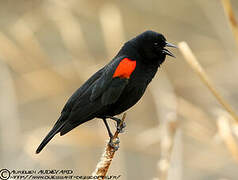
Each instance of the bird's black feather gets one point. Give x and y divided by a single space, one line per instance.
59 124
103 94
113 92
104 81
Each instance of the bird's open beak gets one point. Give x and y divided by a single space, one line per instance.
170 45
166 51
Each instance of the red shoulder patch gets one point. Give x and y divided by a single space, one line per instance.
125 68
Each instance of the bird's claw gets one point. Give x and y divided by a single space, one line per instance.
121 128
114 143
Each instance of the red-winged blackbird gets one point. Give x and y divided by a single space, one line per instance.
116 87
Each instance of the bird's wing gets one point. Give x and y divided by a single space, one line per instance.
114 91
105 90
112 82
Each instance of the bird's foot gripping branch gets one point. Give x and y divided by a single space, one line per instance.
121 128
107 156
114 143
120 125
114 140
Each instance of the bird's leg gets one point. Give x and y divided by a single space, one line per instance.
112 142
120 128
108 128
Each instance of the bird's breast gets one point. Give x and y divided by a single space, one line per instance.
143 74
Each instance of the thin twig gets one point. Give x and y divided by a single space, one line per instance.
167 133
107 157
231 18
167 148
194 63
225 133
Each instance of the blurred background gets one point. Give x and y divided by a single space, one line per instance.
178 130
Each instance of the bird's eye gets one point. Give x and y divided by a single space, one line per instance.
156 44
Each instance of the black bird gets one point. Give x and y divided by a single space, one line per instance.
116 87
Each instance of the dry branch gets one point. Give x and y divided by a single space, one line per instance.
107 156
167 133
167 148
225 132
194 63
231 18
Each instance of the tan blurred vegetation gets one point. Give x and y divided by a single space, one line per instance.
178 130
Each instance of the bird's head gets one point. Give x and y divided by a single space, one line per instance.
152 46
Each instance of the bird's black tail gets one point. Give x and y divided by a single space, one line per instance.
57 127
